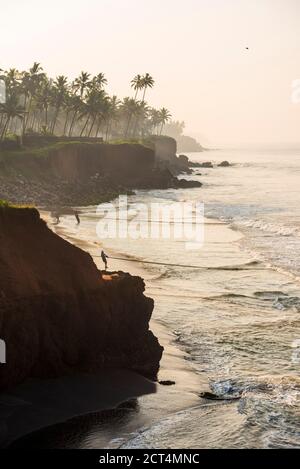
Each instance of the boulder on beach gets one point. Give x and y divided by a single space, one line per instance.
224 164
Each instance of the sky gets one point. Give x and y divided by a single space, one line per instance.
194 49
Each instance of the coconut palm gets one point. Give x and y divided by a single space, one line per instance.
164 116
137 84
44 99
31 82
155 120
93 111
10 109
99 81
129 109
111 114
60 90
82 83
147 82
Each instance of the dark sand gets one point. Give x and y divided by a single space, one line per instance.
37 404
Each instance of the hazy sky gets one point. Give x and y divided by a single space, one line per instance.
195 49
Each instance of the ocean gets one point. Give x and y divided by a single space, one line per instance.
235 321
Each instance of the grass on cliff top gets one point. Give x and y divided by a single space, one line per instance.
132 141
40 152
43 151
5 204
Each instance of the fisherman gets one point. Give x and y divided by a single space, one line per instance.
77 218
104 257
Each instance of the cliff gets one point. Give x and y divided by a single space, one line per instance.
59 315
81 173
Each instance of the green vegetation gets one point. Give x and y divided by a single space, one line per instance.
40 152
38 104
3 203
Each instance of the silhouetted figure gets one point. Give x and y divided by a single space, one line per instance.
77 218
104 257
57 218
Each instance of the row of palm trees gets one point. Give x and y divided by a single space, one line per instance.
36 103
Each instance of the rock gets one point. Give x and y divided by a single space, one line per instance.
58 315
214 397
167 383
185 184
224 164
206 164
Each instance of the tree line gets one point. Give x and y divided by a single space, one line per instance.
35 103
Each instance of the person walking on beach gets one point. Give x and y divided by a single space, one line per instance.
77 218
104 257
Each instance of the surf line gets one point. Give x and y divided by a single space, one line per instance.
238 267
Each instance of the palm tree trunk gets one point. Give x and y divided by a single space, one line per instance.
85 126
92 126
107 130
144 94
54 120
72 123
5 128
98 128
28 114
128 125
66 122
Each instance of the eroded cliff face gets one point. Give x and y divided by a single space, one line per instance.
165 153
59 314
124 163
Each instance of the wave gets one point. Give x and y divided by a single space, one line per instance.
267 227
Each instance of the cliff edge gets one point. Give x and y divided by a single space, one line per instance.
59 315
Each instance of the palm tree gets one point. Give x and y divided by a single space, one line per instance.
164 116
60 90
93 110
111 114
129 109
137 84
82 83
99 81
10 109
141 114
155 120
147 82
44 99
31 82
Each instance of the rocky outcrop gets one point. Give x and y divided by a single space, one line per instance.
59 315
165 154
